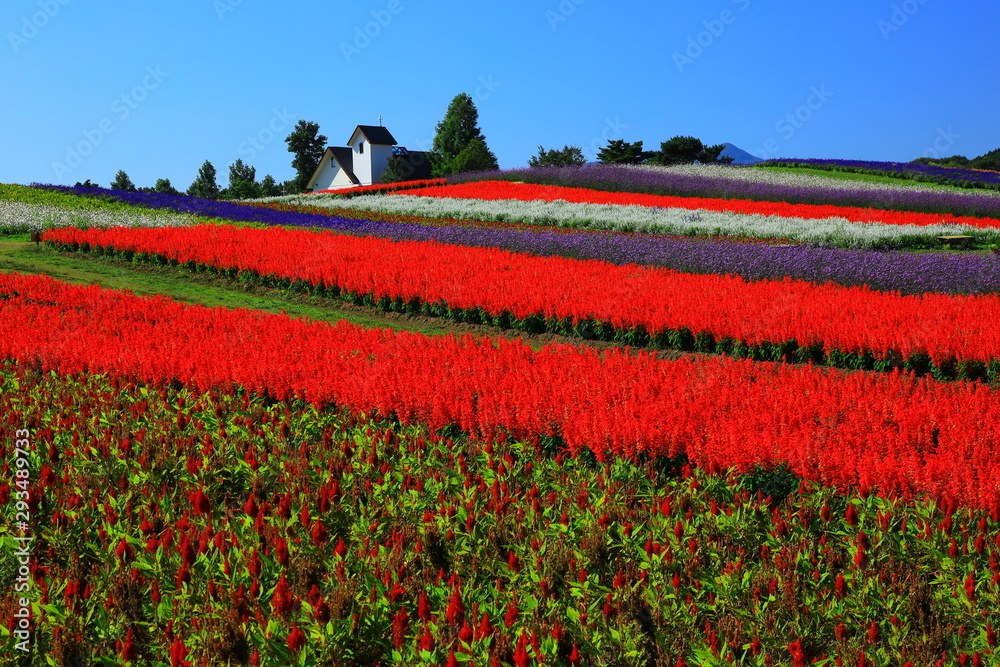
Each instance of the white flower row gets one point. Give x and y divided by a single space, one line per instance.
677 221
20 217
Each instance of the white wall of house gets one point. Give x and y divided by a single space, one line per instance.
362 158
379 157
330 176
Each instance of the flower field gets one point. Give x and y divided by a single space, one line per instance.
222 486
754 184
825 321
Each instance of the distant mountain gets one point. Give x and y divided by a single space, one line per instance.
739 155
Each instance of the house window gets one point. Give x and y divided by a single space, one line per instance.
361 147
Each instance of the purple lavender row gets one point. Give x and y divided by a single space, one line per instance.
620 178
915 170
909 273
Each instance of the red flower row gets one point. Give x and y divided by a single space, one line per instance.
491 190
849 319
886 431
381 187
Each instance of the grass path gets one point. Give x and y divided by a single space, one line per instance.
19 255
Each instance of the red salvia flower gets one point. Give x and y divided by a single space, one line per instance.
400 624
423 607
200 503
281 600
296 639
319 533
426 640
840 586
574 655
511 616
851 515
456 608
521 651
129 651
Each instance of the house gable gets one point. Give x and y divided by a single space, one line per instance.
363 160
334 171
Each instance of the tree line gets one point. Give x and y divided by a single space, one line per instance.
677 150
989 161
459 146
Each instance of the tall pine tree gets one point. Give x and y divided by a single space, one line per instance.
122 182
459 144
204 185
242 181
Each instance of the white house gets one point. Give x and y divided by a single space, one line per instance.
364 159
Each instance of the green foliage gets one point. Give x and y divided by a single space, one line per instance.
568 156
459 144
163 185
308 146
687 150
989 161
207 505
619 151
122 182
242 181
393 171
775 482
86 184
959 161
205 185
269 187
474 157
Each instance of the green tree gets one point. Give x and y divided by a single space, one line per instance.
86 184
474 157
204 185
122 182
568 156
269 188
711 155
242 181
459 144
163 185
619 151
989 161
678 150
394 171
687 150
308 146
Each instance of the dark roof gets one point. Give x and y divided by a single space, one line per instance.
345 157
375 134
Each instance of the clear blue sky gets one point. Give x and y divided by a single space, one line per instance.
157 88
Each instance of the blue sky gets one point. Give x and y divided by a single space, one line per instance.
158 88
